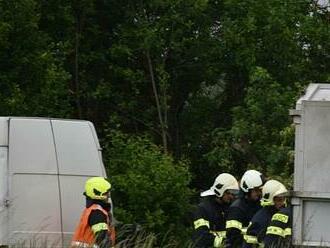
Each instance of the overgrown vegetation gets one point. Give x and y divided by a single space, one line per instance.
150 188
179 90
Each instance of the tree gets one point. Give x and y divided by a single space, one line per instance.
261 136
31 72
274 46
166 48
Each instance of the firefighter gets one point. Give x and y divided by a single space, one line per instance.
243 209
209 217
273 199
95 229
278 232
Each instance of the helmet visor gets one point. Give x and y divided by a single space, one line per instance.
284 194
208 192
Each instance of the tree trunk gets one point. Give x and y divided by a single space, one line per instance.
163 124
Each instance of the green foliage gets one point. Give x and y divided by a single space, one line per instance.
268 50
149 188
175 35
261 136
33 81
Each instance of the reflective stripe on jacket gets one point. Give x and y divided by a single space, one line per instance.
258 226
240 214
209 223
278 232
84 235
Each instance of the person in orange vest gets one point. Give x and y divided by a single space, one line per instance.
95 227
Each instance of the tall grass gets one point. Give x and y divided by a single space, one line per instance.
135 237
127 236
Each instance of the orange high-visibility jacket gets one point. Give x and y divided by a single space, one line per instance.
84 236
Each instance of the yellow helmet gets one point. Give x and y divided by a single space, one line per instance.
96 187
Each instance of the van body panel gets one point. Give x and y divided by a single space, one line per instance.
96 140
35 208
76 149
72 204
98 146
4 131
316 126
3 194
33 141
315 216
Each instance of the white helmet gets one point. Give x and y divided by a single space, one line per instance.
222 183
251 179
271 189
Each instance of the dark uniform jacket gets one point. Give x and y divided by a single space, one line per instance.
240 214
97 217
209 221
278 232
257 228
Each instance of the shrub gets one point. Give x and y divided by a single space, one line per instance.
149 187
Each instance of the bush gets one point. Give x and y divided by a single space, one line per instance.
149 187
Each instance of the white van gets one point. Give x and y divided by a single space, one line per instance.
44 164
